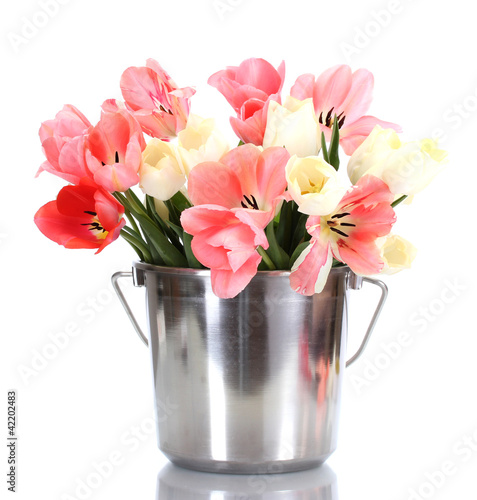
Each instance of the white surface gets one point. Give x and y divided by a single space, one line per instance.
92 401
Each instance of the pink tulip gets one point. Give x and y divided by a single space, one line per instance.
234 201
114 148
159 105
63 141
347 95
83 216
249 88
348 234
252 122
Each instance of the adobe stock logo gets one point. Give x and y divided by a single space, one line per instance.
377 22
31 26
419 322
223 7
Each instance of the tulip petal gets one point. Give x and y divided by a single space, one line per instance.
270 175
116 177
83 216
228 284
303 87
249 131
361 257
293 126
310 271
353 135
214 183
107 209
331 88
259 74
242 161
209 255
359 97
369 190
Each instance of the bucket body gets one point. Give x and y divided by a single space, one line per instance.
250 384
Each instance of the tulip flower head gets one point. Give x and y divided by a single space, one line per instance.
83 216
348 234
346 95
63 140
277 202
249 88
159 105
114 148
234 200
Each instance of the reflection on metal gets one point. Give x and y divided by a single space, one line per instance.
255 381
176 483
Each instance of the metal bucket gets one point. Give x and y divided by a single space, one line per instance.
250 384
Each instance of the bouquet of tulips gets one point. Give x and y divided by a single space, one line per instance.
277 201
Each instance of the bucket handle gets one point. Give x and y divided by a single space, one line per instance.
117 288
356 285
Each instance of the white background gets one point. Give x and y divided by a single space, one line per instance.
401 421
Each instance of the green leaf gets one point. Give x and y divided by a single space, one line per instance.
167 251
151 210
173 236
174 214
300 232
279 257
399 200
156 257
178 231
334 145
191 259
180 201
323 148
298 250
139 247
135 203
284 228
263 266
268 265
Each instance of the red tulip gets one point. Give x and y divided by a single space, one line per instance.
84 216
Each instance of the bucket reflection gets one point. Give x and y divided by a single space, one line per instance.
175 483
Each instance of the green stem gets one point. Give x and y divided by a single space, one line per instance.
266 258
324 151
399 200
135 202
137 244
131 220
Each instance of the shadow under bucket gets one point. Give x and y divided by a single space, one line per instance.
250 384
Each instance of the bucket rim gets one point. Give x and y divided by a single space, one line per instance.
189 271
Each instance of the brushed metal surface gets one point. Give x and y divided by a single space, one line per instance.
250 384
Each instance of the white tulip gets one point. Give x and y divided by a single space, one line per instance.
396 252
200 141
314 185
406 168
162 173
294 126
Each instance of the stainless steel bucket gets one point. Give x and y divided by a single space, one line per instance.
250 384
